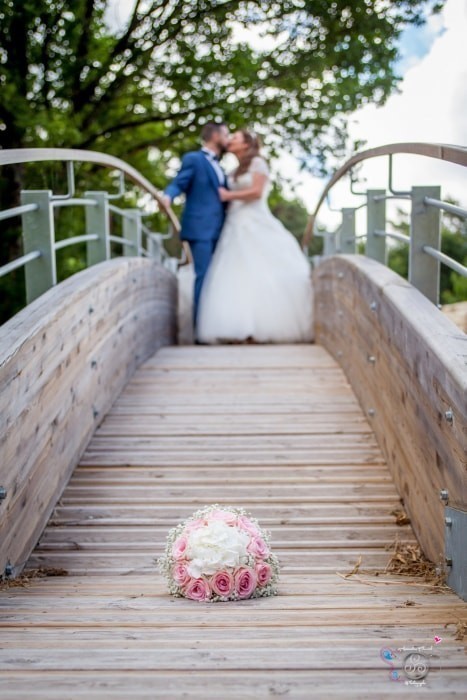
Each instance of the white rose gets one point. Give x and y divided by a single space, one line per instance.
214 547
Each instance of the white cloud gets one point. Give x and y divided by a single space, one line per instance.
431 107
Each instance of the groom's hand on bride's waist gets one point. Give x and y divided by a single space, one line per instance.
224 194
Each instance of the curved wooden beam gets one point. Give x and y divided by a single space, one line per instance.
35 155
446 152
405 362
63 361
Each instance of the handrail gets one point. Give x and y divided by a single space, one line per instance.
72 202
392 234
59 245
39 243
447 206
19 262
446 260
17 211
33 155
446 152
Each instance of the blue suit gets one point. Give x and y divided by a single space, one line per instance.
204 213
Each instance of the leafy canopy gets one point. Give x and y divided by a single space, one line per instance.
68 79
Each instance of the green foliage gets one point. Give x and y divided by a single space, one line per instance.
141 92
69 80
457 291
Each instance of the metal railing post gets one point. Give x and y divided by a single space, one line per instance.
155 246
39 234
329 244
425 229
132 231
348 240
98 222
376 221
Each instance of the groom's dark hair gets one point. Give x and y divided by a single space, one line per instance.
209 129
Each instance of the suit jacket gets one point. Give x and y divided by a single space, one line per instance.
204 213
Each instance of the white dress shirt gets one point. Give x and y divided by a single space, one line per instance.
214 161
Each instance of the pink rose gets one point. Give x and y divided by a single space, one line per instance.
179 547
245 524
263 573
245 582
224 515
180 573
198 589
222 583
194 525
258 548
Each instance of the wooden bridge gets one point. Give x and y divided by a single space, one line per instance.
111 433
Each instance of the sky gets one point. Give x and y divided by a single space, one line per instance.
431 106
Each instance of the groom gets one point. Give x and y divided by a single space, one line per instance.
199 178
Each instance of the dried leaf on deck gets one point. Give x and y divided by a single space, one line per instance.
401 516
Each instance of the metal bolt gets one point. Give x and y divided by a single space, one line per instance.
444 495
371 412
372 359
340 275
448 561
373 306
3 493
448 521
449 415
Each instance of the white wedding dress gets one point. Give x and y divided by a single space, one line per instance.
258 285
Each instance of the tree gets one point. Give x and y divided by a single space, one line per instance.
68 80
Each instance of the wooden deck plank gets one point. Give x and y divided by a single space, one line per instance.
277 430
212 685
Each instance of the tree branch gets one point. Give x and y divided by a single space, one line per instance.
142 145
121 45
126 40
82 50
153 118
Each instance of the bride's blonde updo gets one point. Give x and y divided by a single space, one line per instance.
254 146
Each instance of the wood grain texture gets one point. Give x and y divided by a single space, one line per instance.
407 364
63 361
278 431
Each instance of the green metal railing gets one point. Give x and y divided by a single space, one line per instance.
424 241
38 225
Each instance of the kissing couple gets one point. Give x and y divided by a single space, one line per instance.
253 283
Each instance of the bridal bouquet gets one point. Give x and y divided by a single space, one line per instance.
219 554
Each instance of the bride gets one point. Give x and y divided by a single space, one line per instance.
258 286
